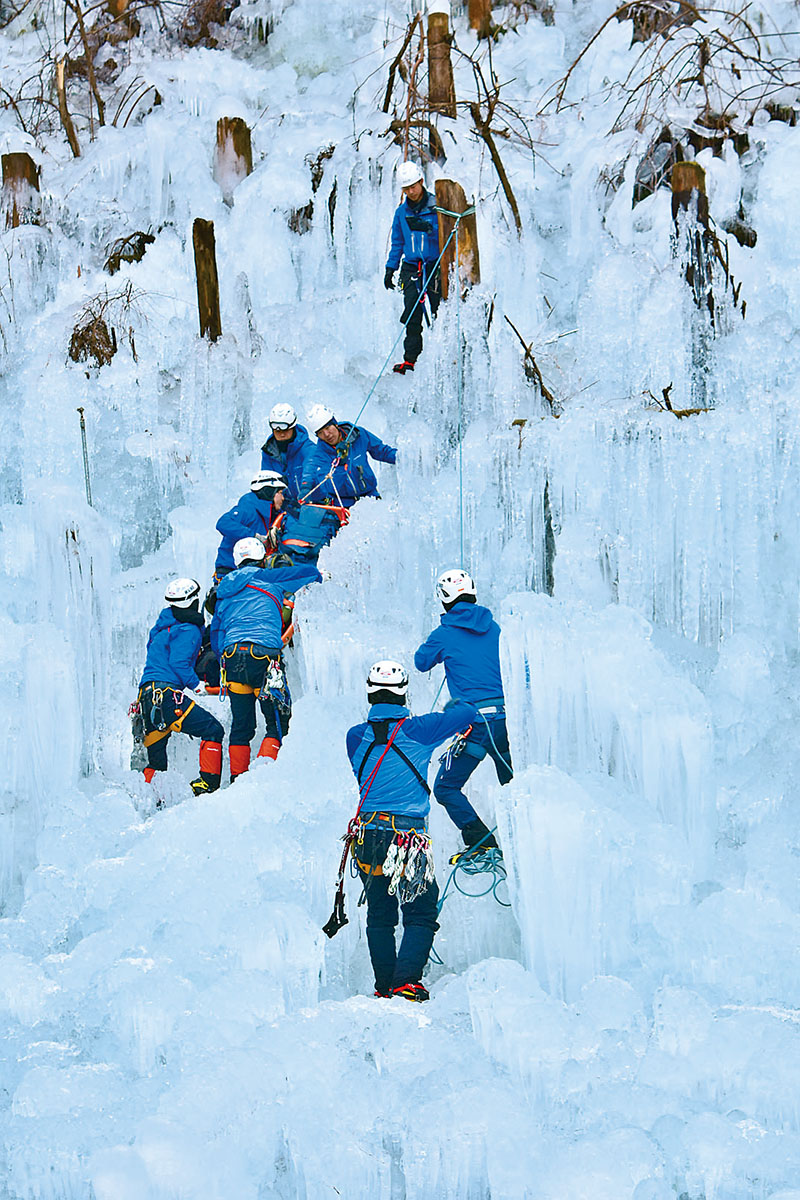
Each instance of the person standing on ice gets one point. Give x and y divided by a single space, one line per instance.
389 754
287 448
253 515
337 472
468 643
172 649
415 240
246 638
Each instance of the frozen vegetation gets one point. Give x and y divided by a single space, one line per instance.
174 1022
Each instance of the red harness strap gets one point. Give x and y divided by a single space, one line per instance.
264 592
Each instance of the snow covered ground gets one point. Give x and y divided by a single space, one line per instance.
174 1022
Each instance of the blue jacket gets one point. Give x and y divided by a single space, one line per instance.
468 643
249 603
353 477
288 457
395 788
247 518
172 650
413 245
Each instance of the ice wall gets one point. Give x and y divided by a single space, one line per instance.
175 1022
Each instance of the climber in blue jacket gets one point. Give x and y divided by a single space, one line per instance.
172 649
389 754
253 515
467 642
415 240
337 472
287 448
246 636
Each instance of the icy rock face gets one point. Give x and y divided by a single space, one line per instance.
174 1020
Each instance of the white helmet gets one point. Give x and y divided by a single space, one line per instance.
408 173
249 550
387 676
319 416
455 584
182 593
268 479
283 416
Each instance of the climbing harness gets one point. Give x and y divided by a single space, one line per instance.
139 759
355 831
161 728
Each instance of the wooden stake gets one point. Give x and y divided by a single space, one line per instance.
20 190
233 157
441 88
450 195
689 177
205 262
480 17
63 111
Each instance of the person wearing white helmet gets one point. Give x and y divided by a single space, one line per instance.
467 641
337 472
286 448
246 636
254 514
172 650
390 753
415 241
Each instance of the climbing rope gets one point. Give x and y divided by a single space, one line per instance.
490 862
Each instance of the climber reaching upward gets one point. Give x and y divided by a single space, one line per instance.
253 515
467 642
389 754
337 472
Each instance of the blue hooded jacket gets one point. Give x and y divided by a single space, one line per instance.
468 643
395 788
288 458
411 244
247 518
249 603
353 477
172 650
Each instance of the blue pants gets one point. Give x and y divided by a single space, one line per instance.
197 723
394 968
450 780
248 665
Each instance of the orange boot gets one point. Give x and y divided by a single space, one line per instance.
240 760
269 748
148 773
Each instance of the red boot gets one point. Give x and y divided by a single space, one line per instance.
269 748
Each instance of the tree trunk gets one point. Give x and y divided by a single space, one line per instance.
450 195
63 111
480 17
205 262
441 88
233 157
20 190
688 177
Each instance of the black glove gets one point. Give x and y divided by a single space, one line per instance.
418 225
388 280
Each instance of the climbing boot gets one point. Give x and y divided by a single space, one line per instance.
269 748
382 995
401 367
412 991
200 787
477 841
210 767
148 773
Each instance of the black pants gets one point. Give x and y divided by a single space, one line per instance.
411 281
394 968
248 665
166 706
